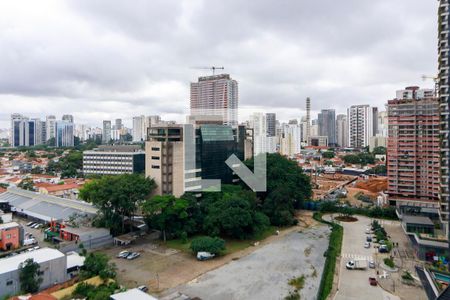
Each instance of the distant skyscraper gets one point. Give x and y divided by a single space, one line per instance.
215 95
290 141
327 125
118 124
262 142
67 118
106 133
308 119
271 123
19 130
361 125
50 124
64 134
342 130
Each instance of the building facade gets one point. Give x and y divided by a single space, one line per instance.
342 130
64 134
327 125
413 158
50 127
106 132
362 125
114 160
215 95
271 124
11 236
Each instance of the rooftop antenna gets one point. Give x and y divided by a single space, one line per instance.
213 68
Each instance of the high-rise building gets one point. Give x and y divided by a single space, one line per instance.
314 128
271 123
50 129
67 118
382 124
64 134
138 129
106 133
19 131
262 142
444 102
342 130
118 124
362 123
290 141
216 95
308 119
327 125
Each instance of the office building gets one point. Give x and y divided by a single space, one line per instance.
118 124
67 118
52 267
19 131
138 129
187 158
114 160
327 125
444 103
262 141
342 130
362 125
271 124
318 141
215 95
64 134
106 132
50 127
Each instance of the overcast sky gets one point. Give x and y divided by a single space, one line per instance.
115 59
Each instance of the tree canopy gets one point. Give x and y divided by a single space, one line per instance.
328 154
30 280
117 197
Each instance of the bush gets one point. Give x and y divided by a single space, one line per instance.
389 262
208 244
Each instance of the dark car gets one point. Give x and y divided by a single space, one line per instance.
373 281
368 239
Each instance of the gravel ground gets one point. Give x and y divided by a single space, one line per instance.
264 274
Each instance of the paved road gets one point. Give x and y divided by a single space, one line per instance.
354 284
264 274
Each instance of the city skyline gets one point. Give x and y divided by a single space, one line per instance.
275 78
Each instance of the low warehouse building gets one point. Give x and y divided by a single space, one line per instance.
53 269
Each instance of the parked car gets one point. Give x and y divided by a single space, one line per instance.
133 255
368 231
27 242
368 239
205 255
143 288
29 223
383 249
371 264
123 254
366 245
382 242
373 281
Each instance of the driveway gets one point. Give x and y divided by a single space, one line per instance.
264 274
354 284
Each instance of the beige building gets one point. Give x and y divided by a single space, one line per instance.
377 141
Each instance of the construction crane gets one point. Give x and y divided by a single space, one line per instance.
213 68
436 82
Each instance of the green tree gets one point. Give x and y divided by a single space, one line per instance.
213 245
117 197
234 215
169 215
26 184
30 280
328 154
98 264
379 150
51 142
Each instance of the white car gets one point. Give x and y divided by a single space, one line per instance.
371 264
133 255
367 245
123 254
204 255
368 231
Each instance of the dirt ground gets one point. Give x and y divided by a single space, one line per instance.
161 268
327 182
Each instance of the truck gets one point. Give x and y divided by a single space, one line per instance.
357 264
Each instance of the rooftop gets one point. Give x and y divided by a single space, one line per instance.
8 225
134 294
40 256
417 220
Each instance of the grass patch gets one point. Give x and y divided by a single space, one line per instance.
292 296
297 283
333 251
231 245
389 262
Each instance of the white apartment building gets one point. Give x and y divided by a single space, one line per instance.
362 125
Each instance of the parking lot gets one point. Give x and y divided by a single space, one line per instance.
264 274
354 284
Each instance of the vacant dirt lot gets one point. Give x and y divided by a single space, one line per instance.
161 268
265 273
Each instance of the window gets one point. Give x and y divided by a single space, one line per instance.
155 167
155 157
155 149
9 282
8 236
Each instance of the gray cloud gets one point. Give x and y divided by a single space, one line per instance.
106 59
